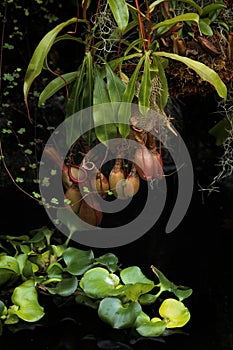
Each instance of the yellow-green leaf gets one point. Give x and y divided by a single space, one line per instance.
205 72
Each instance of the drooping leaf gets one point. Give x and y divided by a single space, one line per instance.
36 63
212 8
120 13
26 299
190 2
118 315
55 85
174 312
77 261
180 18
202 70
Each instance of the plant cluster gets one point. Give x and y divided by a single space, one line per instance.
42 263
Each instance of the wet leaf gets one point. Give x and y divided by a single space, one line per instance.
118 315
174 312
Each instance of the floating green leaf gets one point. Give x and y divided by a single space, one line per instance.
66 287
26 299
150 328
133 274
118 315
99 283
109 260
174 313
77 261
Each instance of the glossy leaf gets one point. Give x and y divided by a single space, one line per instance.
202 70
99 283
120 13
55 85
77 261
36 63
26 299
174 312
118 315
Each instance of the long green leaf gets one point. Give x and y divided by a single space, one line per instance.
36 63
115 85
202 70
55 85
103 116
190 2
163 94
129 93
181 18
120 12
212 7
145 87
